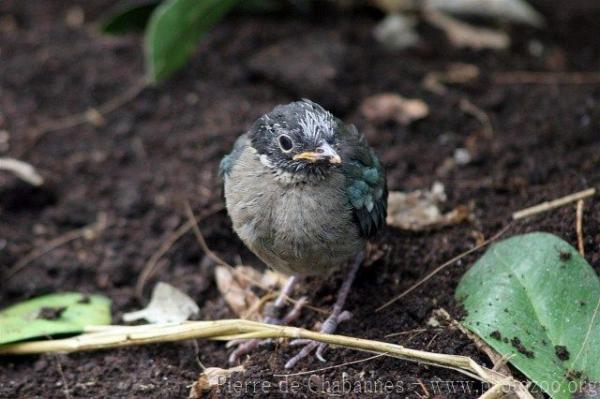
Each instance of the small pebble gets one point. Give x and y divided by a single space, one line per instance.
462 156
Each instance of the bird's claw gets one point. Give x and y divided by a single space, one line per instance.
245 346
328 327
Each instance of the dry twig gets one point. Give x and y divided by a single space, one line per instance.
424 388
546 78
479 114
557 203
579 228
66 389
443 266
397 334
497 359
22 170
87 231
93 115
495 392
456 73
200 238
337 366
152 263
106 337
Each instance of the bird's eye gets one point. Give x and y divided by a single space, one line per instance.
285 142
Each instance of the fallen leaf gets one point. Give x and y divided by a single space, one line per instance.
271 278
396 32
461 34
535 300
212 377
457 73
386 107
53 314
418 210
235 291
235 286
504 10
167 305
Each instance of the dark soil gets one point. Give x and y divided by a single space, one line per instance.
496 335
562 352
518 345
147 157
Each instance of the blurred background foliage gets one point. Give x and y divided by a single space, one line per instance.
172 28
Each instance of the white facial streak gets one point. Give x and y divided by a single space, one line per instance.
315 124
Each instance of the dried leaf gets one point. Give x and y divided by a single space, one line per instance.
167 305
505 10
461 34
271 278
212 377
418 210
457 73
386 107
396 32
235 286
238 297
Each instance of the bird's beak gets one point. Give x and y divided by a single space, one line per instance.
323 153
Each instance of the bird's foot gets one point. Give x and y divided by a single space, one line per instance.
328 327
245 346
330 324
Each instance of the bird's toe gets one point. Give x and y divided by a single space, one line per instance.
328 327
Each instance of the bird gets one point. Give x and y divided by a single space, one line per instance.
304 192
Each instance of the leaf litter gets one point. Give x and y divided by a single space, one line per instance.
420 210
167 305
235 285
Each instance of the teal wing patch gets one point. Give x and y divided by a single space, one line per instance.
229 160
366 185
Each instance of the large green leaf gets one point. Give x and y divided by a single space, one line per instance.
533 297
61 313
174 30
133 16
130 17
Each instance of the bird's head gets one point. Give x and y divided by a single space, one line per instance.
299 138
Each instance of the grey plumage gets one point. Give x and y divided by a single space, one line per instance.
303 190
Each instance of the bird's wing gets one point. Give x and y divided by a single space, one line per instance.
229 160
366 186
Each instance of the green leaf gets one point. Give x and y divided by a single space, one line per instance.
133 17
61 313
534 298
260 6
174 30
130 17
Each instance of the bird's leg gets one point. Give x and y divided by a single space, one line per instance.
330 324
275 309
247 346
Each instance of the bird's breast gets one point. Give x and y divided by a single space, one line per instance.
299 228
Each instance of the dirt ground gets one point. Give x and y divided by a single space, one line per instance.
153 153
